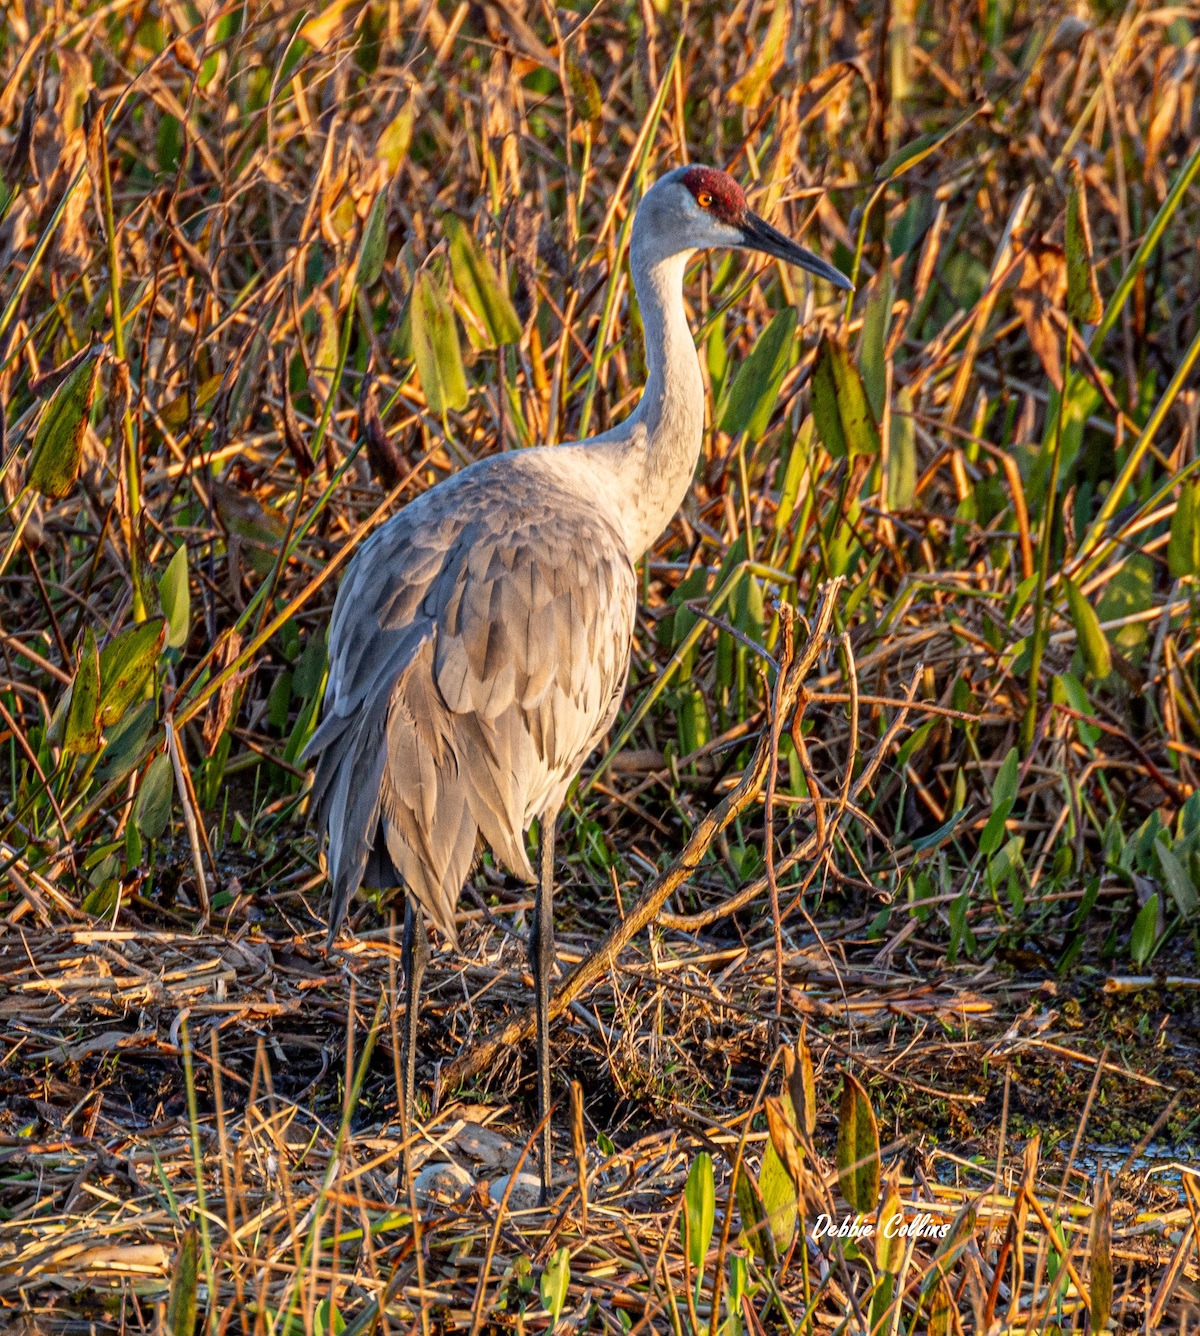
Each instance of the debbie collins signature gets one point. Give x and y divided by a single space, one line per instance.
921 1226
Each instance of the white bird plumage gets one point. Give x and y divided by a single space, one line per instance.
480 640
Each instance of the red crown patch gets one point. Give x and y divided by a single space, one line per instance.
717 193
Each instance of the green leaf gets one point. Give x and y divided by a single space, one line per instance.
748 608
1183 549
778 1198
739 1286
1004 787
176 598
907 157
1067 689
181 1302
889 1243
324 23
1005 862
913 224
58 442
258 531
555 1280
1093 643
329 1321
673 628
372 249
1082 401
133 846
1145 932
695 728
1083 296
913 743
717 353
309 676
302 730
586 101
279 699
755 388
1004 794
1149 244
750 88
857 1148
178 410
941 835
756 1231
839 403
325 359
966 277
881 1301
127 667
1183 892
1024 592
795 475
393 143
802 1085
435 346
993 832
1189 818
902 452
956 1238
823 398
864 587
700 1208
152 806
82 732
479 285
871 345
939 1311
1129 591
125 742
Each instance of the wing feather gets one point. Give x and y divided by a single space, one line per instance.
478 651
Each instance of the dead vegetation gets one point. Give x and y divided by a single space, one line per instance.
357 246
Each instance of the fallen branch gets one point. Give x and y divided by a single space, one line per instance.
818 844
483 1052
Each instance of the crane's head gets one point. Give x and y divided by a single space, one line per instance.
700 208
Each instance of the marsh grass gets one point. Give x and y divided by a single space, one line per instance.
266 273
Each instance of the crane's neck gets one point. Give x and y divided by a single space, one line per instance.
657 446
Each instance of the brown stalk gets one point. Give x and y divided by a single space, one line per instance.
786 622
187 801
579 1143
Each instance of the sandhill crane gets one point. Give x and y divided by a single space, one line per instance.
480 640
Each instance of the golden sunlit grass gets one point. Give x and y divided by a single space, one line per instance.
358 246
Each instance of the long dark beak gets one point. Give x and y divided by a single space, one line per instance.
758 234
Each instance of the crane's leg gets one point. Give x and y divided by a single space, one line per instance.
541 957
413 959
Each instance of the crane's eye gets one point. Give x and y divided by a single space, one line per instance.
704 199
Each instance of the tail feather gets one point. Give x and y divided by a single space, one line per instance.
427 820
434 863
389 793
350 808
350 748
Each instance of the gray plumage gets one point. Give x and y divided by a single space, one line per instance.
478 651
